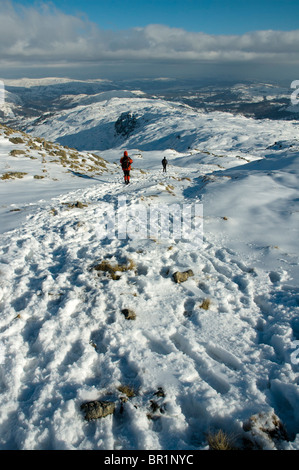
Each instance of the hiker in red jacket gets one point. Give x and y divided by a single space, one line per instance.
126 163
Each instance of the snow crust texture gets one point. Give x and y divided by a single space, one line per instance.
197 356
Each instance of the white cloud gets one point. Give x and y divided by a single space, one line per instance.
46 36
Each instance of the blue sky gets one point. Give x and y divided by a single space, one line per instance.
209 16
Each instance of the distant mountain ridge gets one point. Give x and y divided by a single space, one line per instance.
167 113
27 99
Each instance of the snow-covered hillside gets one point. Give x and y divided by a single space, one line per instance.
216 352
31 102
33 170
159 125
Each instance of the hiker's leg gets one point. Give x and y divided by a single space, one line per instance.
126 176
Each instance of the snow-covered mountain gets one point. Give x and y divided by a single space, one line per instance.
31 99
166 113
89 316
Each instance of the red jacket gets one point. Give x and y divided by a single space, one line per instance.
128 166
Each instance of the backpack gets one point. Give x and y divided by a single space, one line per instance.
125 163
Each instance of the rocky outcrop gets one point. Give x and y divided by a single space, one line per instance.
97 409
125 124
266 430
129 314
179 277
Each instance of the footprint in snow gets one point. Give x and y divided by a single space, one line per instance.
217 381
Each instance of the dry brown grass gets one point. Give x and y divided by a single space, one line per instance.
16 140
12 175
127 390
114 269
220 441
15 153
205 304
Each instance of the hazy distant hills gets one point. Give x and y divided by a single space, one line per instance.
86 114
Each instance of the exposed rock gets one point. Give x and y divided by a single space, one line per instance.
157 406
97 409
160 392
182 276
129 314
126 124
266 430
75 205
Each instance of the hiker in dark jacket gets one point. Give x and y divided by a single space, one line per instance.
164 164
126 163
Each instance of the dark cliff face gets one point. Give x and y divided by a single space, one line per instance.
125 124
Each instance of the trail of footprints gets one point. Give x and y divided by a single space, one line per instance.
214 365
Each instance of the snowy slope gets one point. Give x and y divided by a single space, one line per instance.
259 92
34 170
160 125
203 355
